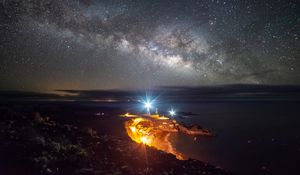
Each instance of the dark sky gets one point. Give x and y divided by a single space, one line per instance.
89 44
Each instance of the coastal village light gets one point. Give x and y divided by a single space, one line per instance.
154 130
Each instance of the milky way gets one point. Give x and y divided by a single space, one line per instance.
86 44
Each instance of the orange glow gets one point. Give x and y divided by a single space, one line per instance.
146 140
145 131
133 129
155 131
128 115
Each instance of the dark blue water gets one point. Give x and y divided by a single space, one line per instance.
251 137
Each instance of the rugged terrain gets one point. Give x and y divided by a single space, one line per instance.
36 144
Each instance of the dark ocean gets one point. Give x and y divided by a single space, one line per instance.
251 137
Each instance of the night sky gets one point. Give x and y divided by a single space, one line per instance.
137 44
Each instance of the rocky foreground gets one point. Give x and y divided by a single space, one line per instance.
35 144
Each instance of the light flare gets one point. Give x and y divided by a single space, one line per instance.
172 112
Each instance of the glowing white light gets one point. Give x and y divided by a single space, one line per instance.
148 105
172 112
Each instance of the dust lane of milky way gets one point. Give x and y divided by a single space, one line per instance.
86 44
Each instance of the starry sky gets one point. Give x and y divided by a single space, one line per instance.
137 44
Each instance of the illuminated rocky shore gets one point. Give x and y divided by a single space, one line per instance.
36 144
155 130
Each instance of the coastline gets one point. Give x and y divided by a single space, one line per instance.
36 144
